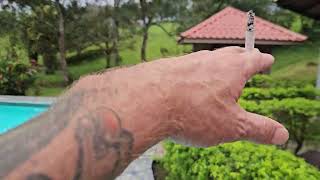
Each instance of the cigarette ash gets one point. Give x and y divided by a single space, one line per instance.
250 22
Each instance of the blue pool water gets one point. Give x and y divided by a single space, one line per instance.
15 114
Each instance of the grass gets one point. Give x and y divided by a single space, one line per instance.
52 85
301 71
288 55
297 62
292 62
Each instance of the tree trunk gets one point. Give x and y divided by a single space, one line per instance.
115 43
299 146
108 58
107 52
144 44
62 59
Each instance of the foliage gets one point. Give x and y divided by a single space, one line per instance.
15 77
257 94
261 81
240 160
299 115
88 55
278 80
36 28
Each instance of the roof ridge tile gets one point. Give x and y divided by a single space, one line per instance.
231 28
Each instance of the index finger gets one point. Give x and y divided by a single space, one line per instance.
257 62
231 49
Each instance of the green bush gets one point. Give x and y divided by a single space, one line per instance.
299 115
50 62
256 94
266 81
15 77
262 81
240 160
85 56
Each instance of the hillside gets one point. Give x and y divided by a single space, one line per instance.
51 85
298 62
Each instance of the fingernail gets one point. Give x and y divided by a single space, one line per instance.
280 136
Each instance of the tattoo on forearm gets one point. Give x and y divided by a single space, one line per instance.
38 177
21 143
101 140
101 131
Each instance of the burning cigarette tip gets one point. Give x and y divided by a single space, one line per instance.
250 22
249 41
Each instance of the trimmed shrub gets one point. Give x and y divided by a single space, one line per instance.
266 81
262 81
240 160
257 94
299 115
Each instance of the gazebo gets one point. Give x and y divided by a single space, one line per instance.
227 28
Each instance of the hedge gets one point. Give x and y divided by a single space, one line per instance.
239 160
256 94
266 81
299 115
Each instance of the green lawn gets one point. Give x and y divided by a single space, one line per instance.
52 85
298 62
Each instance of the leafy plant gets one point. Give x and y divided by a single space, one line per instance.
240 160
15 77
266 81
299 115
262 81
257 94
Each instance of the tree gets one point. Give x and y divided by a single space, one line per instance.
9 28
76 28
153 12
105 23
61 36
100 33
44 22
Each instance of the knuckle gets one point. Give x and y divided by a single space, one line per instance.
256 50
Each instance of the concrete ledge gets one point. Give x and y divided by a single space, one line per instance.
27 100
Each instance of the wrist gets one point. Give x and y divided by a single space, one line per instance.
140 103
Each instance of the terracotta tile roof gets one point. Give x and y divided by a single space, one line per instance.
230 24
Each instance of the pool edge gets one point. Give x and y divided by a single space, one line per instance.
27 100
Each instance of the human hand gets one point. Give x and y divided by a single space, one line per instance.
204 93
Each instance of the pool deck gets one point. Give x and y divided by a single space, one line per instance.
139 169
27 99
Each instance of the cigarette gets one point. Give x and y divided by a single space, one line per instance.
249 42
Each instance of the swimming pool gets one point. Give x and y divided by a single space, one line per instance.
15 114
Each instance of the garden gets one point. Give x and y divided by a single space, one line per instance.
46 46
295 105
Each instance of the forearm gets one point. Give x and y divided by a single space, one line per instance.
93 132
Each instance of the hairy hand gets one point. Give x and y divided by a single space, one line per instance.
204 90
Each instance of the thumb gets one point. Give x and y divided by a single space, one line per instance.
262 129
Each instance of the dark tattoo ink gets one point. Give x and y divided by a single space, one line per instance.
38 177
79 164
97 140
36 134
106 141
